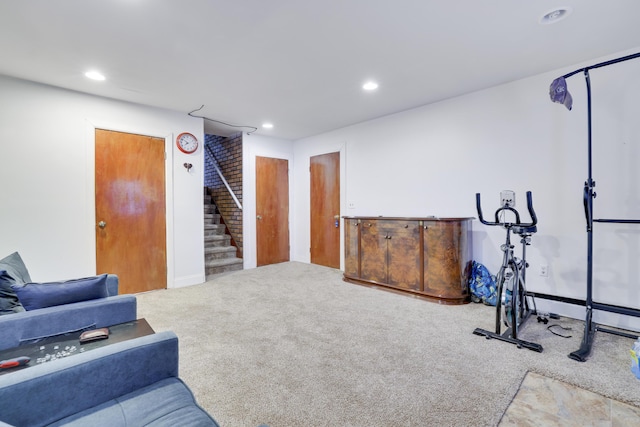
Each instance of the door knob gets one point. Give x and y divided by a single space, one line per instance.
102 224
259 216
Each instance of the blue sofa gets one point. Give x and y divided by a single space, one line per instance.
56 308
130 383
29 326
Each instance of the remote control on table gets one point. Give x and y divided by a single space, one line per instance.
16 361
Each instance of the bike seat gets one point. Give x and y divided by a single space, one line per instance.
524 230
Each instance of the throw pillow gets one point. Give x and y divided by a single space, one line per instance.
15 268
40 295
9 302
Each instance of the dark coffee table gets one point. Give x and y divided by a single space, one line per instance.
60 346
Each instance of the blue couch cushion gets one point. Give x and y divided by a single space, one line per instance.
167 403
40 295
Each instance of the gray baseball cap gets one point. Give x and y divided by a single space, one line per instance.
558 93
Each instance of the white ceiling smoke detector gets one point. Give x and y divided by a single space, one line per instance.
555 15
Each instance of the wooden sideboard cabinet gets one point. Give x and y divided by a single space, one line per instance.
425 257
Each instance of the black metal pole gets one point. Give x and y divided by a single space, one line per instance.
604 64
592 194
587 338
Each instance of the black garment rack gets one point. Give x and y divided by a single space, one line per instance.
590 328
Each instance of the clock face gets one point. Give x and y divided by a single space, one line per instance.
187 143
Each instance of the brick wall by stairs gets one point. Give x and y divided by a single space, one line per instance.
219 253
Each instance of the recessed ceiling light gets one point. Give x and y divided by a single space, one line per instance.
555 15
370 86
94 75
267 125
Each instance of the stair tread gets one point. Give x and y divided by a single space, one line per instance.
223 261
220 249
217 237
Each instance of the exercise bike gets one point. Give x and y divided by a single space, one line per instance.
512 305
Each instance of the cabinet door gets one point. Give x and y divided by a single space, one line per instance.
351 248
446 255
373 252
404 246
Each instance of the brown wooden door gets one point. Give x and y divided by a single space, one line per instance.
325 210
272 210
130 210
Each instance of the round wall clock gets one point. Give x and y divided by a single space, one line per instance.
187 143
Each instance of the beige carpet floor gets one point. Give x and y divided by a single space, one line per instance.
293 345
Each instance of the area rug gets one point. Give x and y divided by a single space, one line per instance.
544 401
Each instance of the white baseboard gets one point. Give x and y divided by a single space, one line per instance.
181 282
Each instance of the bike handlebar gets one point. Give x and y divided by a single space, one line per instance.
532 213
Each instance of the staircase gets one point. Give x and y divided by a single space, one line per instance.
219 254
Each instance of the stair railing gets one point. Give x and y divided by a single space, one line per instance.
214 161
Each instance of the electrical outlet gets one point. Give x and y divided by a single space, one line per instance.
352 205
544 270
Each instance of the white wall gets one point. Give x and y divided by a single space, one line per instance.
252 147
47 210
432 160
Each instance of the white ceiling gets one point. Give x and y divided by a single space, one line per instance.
300 64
